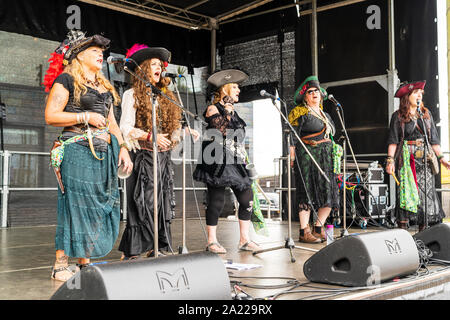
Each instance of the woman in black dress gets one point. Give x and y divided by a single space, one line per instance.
221 166
314 127
406 155
136 127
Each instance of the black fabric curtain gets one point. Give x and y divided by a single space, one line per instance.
46 19
252 92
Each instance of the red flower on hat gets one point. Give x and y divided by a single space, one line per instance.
304 89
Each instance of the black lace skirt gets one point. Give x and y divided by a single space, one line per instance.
232 176
311 187
138 235
435 214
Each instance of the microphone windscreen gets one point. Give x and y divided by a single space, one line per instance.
262 93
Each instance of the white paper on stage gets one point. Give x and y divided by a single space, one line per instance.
241 266
267 136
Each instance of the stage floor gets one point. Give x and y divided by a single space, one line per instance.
27 255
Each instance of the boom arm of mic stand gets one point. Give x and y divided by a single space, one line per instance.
300 140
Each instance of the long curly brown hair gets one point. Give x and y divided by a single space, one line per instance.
403 111
169 115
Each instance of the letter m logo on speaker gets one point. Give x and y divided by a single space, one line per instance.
393 246
173 281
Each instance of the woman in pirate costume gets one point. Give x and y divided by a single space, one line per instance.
88 152
217 170
315 128
406 155
136 126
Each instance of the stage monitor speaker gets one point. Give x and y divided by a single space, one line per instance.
364 259
193 276
437 239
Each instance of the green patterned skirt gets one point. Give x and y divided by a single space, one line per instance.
311 187
89 210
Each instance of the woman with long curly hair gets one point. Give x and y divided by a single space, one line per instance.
406 159
136 126
86 155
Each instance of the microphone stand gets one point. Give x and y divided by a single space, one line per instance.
289 243
425 153
183 249
344 232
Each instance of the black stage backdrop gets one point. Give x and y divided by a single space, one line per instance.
46 19
348 49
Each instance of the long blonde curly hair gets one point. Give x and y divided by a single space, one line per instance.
169 115
75 69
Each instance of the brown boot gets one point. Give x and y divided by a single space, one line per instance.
403 224
307 237
320 235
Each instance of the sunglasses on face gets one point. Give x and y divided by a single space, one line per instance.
310 92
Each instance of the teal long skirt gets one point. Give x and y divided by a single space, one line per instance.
89 210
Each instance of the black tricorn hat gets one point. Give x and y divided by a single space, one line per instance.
77 42
138 53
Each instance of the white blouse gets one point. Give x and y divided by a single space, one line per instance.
128 121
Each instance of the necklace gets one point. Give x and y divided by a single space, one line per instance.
91 83
320 115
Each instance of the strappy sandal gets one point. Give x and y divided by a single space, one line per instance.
221 249
245 246
126 258
151 254
62 274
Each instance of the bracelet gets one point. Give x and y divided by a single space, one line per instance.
86 118
149 136
123 145
440 157
389 159
78 118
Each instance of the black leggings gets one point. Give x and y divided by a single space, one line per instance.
216 201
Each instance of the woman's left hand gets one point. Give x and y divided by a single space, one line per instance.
124 158
445 163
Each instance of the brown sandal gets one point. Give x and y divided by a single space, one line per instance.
221 249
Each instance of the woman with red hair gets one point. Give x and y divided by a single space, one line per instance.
406 159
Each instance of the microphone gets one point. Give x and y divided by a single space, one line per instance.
264 93
419 110
332 99
112 60
171 75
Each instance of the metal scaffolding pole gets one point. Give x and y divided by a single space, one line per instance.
314 53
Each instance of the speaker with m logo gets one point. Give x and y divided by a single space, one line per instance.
364 259
193 276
